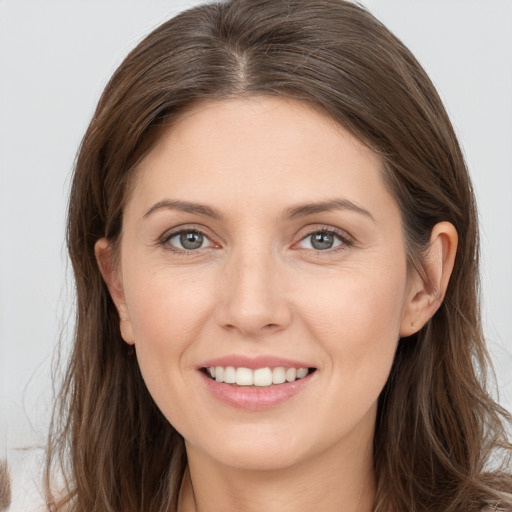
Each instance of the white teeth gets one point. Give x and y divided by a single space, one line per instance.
230 375
278 375
301 373
261 377
244 377
291 374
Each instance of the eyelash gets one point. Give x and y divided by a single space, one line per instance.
165 239
345 240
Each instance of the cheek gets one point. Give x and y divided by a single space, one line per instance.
357 321
357 302
167 315
165 308
356 324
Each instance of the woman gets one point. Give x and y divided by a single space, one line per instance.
274 240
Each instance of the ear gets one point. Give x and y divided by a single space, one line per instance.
111 275
427 293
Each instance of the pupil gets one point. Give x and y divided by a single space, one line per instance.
191 240
322 241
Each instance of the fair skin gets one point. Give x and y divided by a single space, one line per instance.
260 234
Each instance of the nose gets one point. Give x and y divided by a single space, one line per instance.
253 294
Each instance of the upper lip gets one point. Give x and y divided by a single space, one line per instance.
261 361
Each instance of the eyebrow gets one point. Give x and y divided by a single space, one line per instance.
301 210
185 206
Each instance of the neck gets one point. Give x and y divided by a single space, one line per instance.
341 478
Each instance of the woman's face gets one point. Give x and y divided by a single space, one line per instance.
260 240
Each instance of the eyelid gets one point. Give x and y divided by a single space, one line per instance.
163 240
346 239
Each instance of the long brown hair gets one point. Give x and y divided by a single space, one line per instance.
438 431
5 486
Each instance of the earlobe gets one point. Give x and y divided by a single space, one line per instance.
110 273
426 294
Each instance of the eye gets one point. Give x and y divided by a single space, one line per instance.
322 240
188 240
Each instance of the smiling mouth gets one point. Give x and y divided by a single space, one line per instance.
259 377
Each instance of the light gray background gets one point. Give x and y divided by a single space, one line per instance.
55 58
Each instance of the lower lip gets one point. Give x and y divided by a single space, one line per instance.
256 398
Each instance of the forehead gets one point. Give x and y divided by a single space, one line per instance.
241 153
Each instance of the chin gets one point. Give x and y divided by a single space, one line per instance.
253 451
